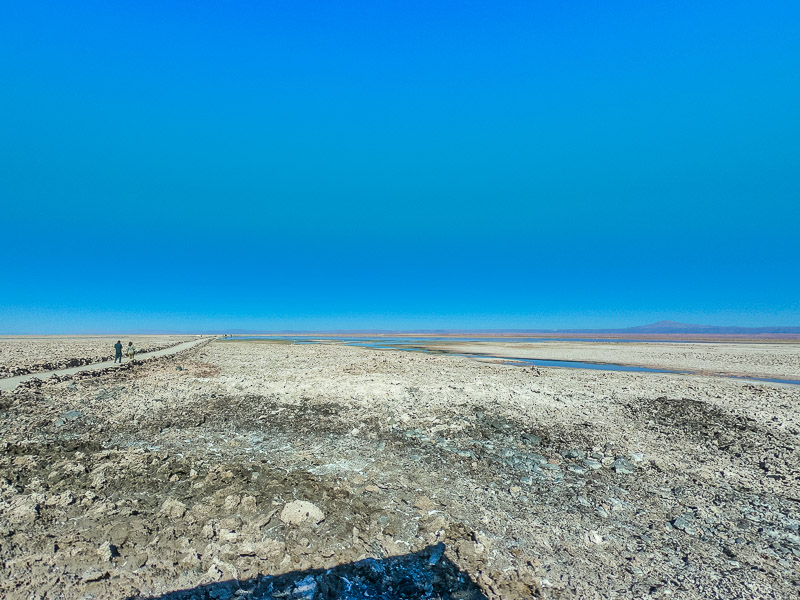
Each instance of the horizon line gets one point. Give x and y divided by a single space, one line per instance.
668 328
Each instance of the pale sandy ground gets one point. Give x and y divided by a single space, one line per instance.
562 484
781 360
32 354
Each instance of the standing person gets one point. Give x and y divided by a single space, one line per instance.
131 350
118 352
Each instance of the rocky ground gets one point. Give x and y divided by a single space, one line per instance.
21 355
268 470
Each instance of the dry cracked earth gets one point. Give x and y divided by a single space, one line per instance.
268 470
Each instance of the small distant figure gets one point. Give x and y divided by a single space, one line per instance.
131 351
118 352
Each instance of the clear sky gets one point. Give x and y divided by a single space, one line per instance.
409 164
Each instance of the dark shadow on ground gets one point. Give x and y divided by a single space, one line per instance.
424 574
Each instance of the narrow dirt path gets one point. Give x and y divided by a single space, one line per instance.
10 383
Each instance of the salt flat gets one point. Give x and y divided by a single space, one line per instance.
767 360
545 482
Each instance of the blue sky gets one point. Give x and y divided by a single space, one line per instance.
315 165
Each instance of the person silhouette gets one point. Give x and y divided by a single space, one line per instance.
118 352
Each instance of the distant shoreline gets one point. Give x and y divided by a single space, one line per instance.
671 337
653 337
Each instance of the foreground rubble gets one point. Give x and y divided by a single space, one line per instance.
251 469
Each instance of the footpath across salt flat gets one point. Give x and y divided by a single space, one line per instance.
9 383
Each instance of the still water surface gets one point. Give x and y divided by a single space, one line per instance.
416 344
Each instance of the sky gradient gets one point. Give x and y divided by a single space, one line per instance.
398 165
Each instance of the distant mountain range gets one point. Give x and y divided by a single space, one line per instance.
667 328
659 328
674 327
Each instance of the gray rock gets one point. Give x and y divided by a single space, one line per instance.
592 464
436 554
301 512
93 574
138 560
305 589
623 466
107 551
23 510
268 548
532 439
574 454
685 523
616 504
173 508
537 458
